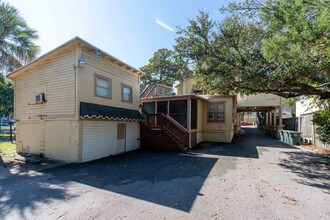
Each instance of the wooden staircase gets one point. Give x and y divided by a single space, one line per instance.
157 125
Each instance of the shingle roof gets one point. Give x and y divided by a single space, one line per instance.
89 110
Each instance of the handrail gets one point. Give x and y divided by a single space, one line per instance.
145 89
176 123
148 90
167 123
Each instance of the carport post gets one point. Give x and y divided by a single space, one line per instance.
267 118
275 118
280 116
270 117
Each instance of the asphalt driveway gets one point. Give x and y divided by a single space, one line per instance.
255 177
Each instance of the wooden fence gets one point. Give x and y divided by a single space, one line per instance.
304 124
307 128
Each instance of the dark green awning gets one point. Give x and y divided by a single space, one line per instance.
89 110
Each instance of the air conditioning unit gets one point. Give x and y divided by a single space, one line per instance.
40 98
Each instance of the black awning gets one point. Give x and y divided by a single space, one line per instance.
89 110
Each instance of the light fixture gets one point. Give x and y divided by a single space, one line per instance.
82 62
97 53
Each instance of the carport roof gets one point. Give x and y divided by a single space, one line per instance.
95 111
255 109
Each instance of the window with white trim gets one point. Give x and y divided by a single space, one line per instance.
102 86
216 112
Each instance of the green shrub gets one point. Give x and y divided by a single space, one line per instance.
322 122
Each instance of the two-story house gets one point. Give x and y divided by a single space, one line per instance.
77 103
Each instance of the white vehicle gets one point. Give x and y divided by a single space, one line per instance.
6 127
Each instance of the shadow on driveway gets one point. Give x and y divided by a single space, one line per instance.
165 178
313 168
244 145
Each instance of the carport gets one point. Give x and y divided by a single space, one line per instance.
267 103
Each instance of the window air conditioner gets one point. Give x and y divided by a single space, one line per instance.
40 98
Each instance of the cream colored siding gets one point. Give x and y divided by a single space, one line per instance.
56 78
187 86
219 131
55 139
116 74
61 140
259 99
39 131
28 138
99 139
131 136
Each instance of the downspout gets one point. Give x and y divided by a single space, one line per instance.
79 139
76 68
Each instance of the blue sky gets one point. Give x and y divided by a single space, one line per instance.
131 30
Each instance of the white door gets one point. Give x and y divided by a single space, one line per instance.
132 136
99 139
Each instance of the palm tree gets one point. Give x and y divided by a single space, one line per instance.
16 39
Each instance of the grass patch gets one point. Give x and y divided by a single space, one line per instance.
7 148
5 134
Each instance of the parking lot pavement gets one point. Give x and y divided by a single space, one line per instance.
25 165
255 177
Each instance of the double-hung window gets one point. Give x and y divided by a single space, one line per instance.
216 112
102 86
126 93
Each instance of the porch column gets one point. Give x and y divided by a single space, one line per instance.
274 118
280 123
238 123
156 111
270 118
168 107
189 119
267 116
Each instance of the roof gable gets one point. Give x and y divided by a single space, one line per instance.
70 45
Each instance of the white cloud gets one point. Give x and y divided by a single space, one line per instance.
164 25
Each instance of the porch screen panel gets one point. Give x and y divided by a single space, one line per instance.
178 111
162 107
193 114
149 107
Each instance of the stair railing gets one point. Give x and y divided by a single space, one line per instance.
168 126
145 93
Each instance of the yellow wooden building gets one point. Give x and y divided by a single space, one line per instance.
77 103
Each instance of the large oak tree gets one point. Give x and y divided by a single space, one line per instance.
271 46
165 67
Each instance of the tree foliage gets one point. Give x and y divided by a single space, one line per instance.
322 120
165 67
271 46
6 97
16 49
160 69
16 39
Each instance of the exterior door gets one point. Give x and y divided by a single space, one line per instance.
121 137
